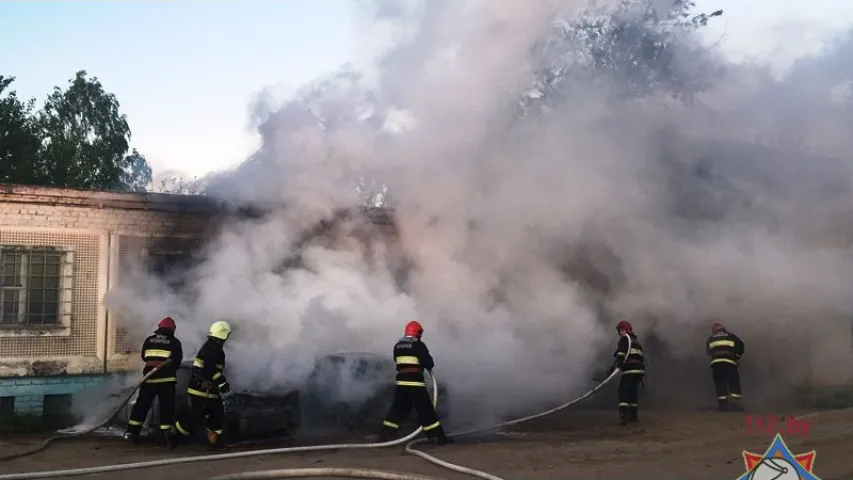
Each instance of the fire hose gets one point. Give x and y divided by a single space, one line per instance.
304 472
318 472
330 472
106 420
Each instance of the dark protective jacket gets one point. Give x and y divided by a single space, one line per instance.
724 347
156 349
208 379
631 362
412 357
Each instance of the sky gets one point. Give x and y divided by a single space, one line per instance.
184 72
187 72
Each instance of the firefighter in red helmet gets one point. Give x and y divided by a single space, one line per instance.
412 358
725 349
156 349
632 364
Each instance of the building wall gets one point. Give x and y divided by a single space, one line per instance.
29 392
94 234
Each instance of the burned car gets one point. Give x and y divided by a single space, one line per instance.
247 414
344 391
354 391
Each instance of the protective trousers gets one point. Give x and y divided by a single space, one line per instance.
406 397
210 411
165 393
727 384
629 396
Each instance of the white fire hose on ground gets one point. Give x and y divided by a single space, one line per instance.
304 472
320 472
327 472
106 420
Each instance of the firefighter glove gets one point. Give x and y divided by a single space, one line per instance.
224 389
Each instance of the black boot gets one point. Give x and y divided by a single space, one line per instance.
132 437
164 438
623 415
216 442
634 418
218 446
735 405
440 437
387 434
173 439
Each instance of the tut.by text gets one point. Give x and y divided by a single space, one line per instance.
770 425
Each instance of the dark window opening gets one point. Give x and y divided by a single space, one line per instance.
56 405
7 406
170 266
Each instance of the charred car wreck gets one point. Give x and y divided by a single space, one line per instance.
344 391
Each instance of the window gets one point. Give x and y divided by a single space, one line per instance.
164 263
35 286
169 265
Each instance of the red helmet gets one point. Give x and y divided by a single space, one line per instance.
167 323
717 327
414 329
624 325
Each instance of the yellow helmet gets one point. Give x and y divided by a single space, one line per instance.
220 330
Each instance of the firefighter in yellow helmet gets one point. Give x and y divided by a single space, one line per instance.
206 390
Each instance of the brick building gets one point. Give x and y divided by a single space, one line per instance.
61 250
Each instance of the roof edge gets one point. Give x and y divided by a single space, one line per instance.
152 201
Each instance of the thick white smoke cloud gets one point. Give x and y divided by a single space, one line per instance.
531 233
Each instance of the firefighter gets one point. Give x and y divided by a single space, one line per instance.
412 358
206 391
632 365
725 349
156 349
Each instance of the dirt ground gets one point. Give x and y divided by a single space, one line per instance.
581 444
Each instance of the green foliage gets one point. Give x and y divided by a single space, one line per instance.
136 174
78 139
19 140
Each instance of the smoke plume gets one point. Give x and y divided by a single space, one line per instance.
552 169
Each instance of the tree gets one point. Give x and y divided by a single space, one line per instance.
173 183
81 140
136 174
19 141
638 49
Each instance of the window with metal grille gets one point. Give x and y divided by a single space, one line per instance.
35 285
169 265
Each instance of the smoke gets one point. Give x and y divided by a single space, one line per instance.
550 173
